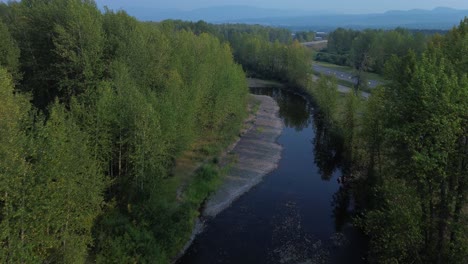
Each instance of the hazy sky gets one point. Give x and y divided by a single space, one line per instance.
349 6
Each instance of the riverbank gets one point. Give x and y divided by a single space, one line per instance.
297 213
255 155
243 163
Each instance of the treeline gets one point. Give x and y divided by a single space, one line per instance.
94 109
273 60
230 32
264 52
429 32
408 151
304 36
370 49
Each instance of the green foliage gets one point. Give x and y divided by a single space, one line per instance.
407 146
15 183
231 32
44 215
204 183
120 240
66 172
287 63
369 50
395 228
421 137
373 133
349 124
325 93
304 36
9 52
340 41
333 58
263 52
61 47
197 91
78 46
117 102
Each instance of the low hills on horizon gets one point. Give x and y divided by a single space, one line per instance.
440 18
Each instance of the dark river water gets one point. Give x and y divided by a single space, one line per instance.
299 213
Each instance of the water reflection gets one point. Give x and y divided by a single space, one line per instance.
294 110
341 207
327 147
298 213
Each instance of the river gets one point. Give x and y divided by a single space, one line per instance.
299 213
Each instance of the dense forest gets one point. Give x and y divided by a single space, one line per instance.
304 36
94 109
263 52
407 148
369 50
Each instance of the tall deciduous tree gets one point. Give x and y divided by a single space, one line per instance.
9 52
65 172
424 121
16 181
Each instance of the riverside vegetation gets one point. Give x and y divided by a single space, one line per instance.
407 149
95 108
370 49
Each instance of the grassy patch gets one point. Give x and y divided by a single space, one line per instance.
255 106
346 83
350 70
205 182
351 85
346 69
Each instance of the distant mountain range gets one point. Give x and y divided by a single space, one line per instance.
438 18
214 14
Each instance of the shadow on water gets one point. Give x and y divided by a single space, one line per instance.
299 213
327 148
294 110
